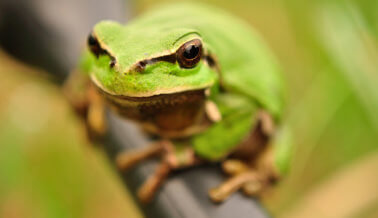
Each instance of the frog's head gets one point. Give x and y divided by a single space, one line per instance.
148 61
159 75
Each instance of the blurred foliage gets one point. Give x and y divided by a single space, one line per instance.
329 52
47 168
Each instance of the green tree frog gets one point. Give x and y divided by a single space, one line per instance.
201 80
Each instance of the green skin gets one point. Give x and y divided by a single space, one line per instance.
249 73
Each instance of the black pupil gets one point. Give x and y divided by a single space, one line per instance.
191 51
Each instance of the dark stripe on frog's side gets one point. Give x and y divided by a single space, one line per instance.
172 58
139 66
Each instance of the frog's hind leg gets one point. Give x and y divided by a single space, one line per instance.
251 181
172 157
252 170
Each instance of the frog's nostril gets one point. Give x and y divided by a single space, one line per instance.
92 40
140 66
97 50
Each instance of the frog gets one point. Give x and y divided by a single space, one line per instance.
200 80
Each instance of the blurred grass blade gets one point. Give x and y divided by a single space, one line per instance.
352 49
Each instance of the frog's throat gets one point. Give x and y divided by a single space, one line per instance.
171 115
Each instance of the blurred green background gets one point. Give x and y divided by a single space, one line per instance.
329 53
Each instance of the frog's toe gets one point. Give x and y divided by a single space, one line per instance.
252 181
234 166
233 184
152 184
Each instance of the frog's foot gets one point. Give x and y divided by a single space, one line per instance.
251 181
173 157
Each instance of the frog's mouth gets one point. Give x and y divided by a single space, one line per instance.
166 114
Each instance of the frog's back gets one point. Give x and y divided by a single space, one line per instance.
246 64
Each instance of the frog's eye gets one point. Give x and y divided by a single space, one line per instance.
189 54
94 46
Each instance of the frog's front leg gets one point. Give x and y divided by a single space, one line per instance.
129 159
172 157
95 120
87 102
